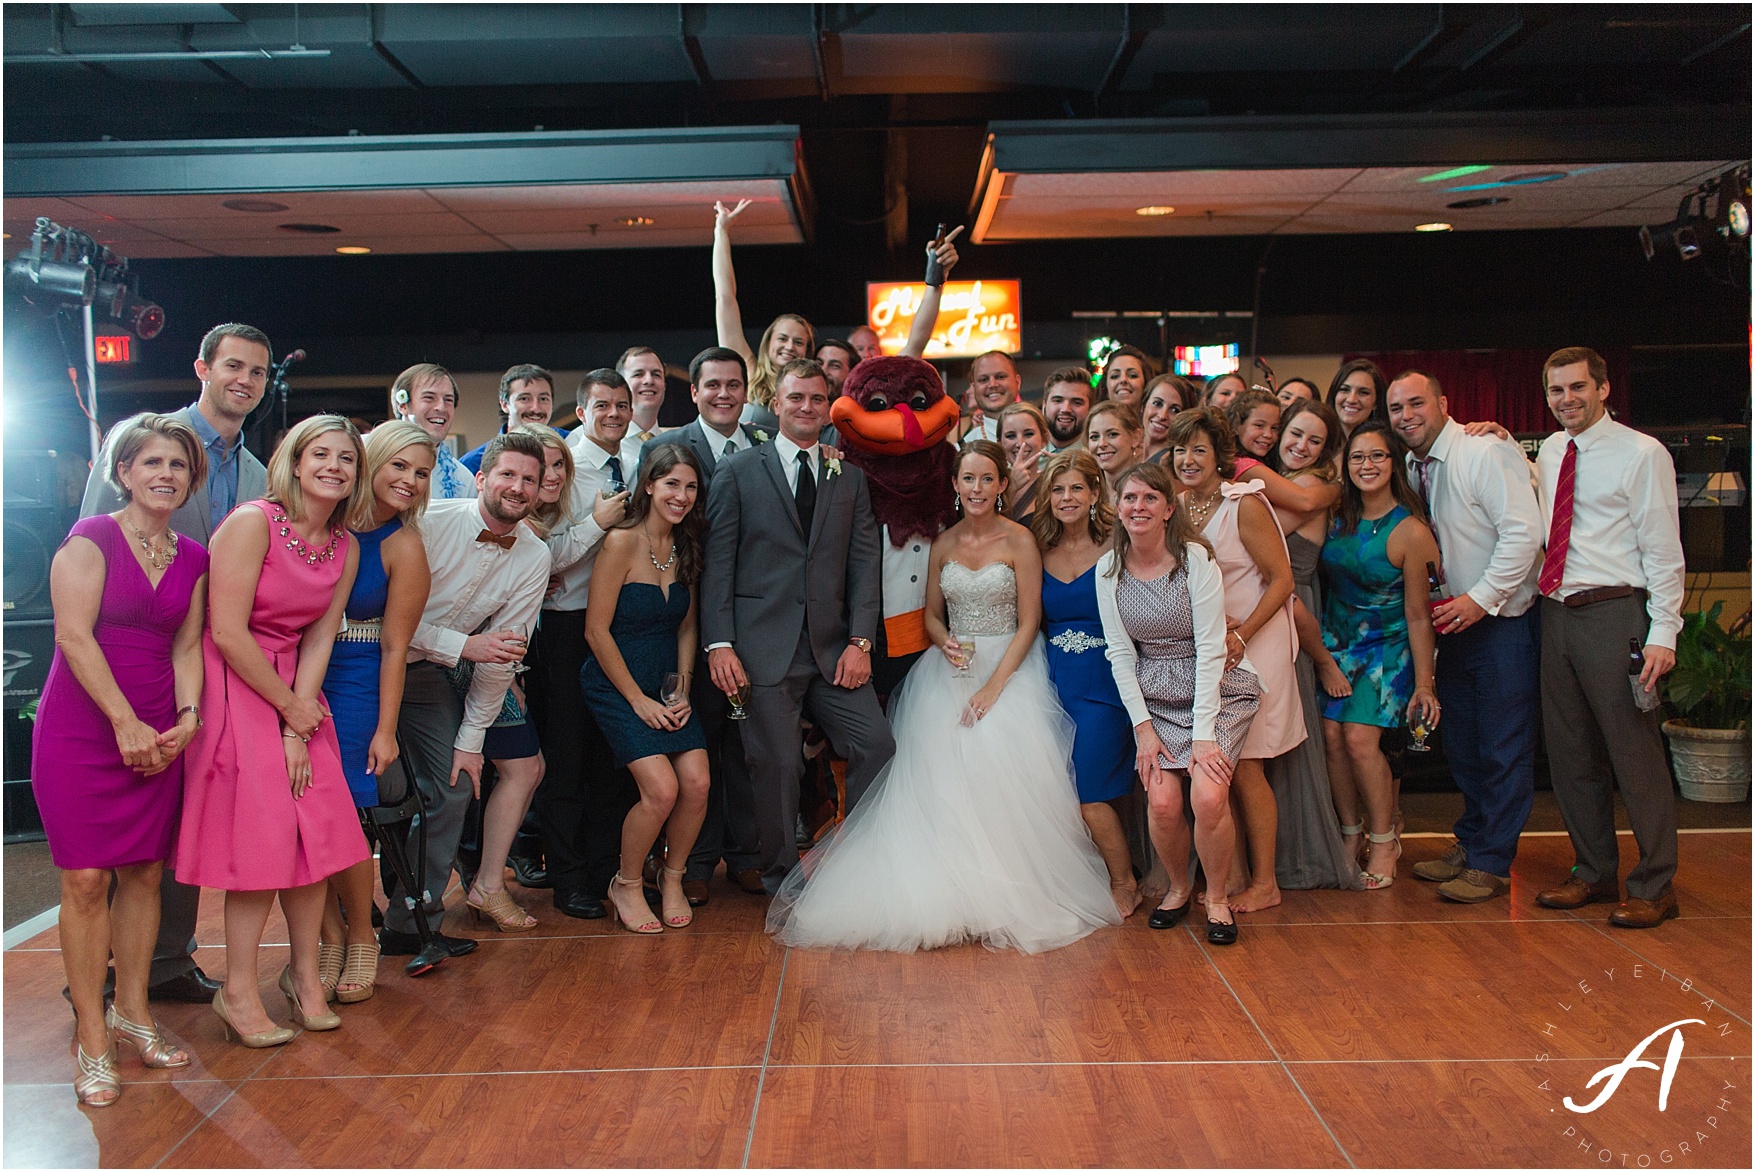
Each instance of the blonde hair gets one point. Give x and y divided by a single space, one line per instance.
1046 527
382 443
1023 408
764 376
128 437
546 519
283 485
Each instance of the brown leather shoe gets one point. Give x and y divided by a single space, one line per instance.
1645 913
750 880
1575 893
695 891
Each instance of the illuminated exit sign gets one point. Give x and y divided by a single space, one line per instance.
973 317
114 350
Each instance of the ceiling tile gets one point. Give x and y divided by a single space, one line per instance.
301 205
1165 186
361 226
654 237
571 195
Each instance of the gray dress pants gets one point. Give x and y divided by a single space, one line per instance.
432 712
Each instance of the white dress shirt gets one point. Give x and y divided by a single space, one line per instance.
575 548
1625 528
1490 529
723 446
476 585
788 453
988 430
1206 592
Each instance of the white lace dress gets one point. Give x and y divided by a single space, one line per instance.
969 834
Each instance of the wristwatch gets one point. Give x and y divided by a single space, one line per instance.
863 644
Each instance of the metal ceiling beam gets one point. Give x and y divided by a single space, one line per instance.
1715 45
400 161
691 46
1134 32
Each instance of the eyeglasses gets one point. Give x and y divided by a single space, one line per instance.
1358 458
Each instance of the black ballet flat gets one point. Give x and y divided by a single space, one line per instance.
1218 933
1169 917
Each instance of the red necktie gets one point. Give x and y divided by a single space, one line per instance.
1560 528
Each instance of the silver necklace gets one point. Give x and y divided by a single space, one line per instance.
664 566
157 558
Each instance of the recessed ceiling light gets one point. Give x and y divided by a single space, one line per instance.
5 236
253 205
636 221
1434 226
353 250
1485 201
1455 173
1157 209
309 229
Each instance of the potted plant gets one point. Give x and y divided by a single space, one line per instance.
1709 691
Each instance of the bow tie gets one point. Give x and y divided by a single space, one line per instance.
506 542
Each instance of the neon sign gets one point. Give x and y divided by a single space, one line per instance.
973 317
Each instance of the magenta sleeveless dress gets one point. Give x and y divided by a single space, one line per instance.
98 812
242 830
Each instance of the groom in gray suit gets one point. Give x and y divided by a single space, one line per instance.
233 369
790 604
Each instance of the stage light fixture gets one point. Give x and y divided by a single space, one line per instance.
1733 204
1683 231
58 267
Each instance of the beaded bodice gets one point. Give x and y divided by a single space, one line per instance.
980 602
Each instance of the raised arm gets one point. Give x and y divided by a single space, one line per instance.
926 317
726 316
1302 499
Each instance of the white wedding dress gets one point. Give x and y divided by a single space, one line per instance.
969 833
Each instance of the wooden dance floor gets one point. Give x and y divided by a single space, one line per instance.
1345 1029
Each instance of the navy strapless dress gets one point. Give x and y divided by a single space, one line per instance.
644 630
351 683
1103 748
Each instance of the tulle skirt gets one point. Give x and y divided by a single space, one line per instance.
969 834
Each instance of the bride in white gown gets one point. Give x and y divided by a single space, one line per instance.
972 832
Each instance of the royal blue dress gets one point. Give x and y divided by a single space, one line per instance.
1103 748
351 683
644 629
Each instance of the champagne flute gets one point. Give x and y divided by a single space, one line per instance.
519 667
738 699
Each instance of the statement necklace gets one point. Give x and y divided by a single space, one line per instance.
1199 512
297 544
664 566
157 557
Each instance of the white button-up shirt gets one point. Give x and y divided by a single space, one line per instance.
476 585
788 452
575 547
1625 527
1490 529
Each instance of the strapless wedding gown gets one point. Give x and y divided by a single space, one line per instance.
969 834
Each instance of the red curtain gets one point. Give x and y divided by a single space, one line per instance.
1501 385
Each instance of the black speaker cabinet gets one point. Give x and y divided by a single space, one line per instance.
41 502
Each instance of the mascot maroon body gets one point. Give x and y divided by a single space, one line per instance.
894 417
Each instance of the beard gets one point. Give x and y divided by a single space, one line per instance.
504 511
1064 435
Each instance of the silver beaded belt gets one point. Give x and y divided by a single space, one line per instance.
1073 641
361 630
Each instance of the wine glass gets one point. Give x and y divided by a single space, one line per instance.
965 653
671 690
519 667
1420 728
738 699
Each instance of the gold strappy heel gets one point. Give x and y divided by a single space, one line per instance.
685 917
500 909
97 1076
154 1051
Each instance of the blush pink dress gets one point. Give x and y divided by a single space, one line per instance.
1278 726
242 830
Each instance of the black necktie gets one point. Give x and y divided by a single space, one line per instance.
616 483
805 494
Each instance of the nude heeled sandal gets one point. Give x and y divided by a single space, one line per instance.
97 1076
677 919
154 1051
645 927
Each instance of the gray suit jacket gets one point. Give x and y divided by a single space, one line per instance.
192 519
693 436
765 580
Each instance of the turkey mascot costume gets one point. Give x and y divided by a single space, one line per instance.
893 417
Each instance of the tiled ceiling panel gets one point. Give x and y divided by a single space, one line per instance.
1303 201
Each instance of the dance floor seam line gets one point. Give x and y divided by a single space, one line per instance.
767 1053
1619 936
207 1116
1277 1060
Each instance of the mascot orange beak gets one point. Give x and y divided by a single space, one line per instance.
894 431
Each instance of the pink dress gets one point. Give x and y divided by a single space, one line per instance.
242 830
1273 652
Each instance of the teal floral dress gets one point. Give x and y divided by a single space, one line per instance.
1364 625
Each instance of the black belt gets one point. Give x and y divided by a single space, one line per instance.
1602 594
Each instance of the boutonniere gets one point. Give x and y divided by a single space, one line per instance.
834 468
761 436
